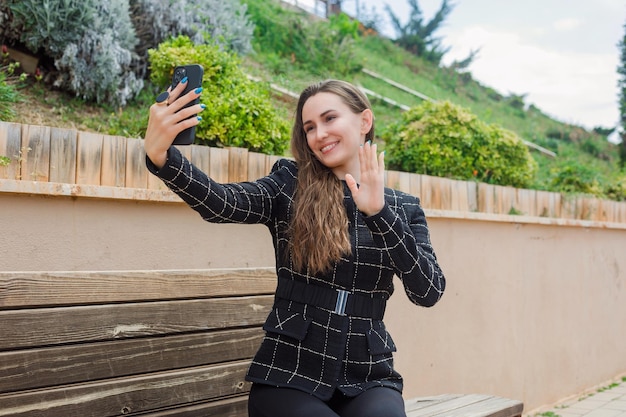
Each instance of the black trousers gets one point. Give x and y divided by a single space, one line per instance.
268 401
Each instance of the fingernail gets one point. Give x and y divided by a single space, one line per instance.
203 106
184 80
199 118
198 90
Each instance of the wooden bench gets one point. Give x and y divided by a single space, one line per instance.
149 343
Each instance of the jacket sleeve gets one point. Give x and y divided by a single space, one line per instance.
407 243
244 202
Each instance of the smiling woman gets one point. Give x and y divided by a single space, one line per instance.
339 237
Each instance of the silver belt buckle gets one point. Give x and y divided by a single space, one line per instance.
342 300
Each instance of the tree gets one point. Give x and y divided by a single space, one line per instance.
621 69
417 36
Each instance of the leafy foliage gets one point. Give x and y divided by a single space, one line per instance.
443 139
320 47
8 96
239 112
94 46
91 43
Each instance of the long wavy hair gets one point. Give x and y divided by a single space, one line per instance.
319 228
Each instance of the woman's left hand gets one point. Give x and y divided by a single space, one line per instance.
369 194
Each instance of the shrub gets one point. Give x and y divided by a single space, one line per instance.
224 23
239 112
8 97
91 43
442 139
319 46
574 177
616 190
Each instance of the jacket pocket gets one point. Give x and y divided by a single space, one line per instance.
379 340
287 323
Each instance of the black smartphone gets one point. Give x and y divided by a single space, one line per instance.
194 74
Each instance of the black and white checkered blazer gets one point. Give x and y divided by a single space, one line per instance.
308 345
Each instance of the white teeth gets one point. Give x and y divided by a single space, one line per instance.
328 147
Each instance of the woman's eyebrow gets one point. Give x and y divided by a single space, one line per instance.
321 115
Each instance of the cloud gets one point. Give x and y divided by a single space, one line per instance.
574 87
567 24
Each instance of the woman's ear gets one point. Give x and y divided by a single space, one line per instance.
367 119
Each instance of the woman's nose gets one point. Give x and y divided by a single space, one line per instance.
320 132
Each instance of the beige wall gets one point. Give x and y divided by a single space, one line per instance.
535 309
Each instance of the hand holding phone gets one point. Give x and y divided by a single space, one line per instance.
194 74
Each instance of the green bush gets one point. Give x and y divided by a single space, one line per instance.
616 190
319 46
573 177
442 139
239 111
8 97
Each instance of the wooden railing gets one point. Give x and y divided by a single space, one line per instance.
40 154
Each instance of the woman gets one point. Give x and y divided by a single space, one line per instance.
339 237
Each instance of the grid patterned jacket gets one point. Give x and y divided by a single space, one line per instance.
308 347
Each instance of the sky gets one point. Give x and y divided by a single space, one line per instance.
561 54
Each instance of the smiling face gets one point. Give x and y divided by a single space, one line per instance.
334 132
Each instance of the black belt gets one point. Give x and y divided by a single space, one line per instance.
344 303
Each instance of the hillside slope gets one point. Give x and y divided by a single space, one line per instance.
587 153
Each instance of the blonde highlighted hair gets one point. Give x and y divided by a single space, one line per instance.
319 228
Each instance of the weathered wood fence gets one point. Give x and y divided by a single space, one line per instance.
40 154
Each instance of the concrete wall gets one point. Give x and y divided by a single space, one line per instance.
535 309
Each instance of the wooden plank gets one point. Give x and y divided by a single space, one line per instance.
525 203
415 404
486 198
89 158
185 150
271 160
136 171
113 161
490 407
504 199
257 166
237 164
130 395
589 208
35 153
546 204
201 157
426 195
398 180
10 145
568 206
458 405
230 407
38 368
46 289
459 197
219 164
415 185
63 155
55 326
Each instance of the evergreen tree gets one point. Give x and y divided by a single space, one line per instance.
417 36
